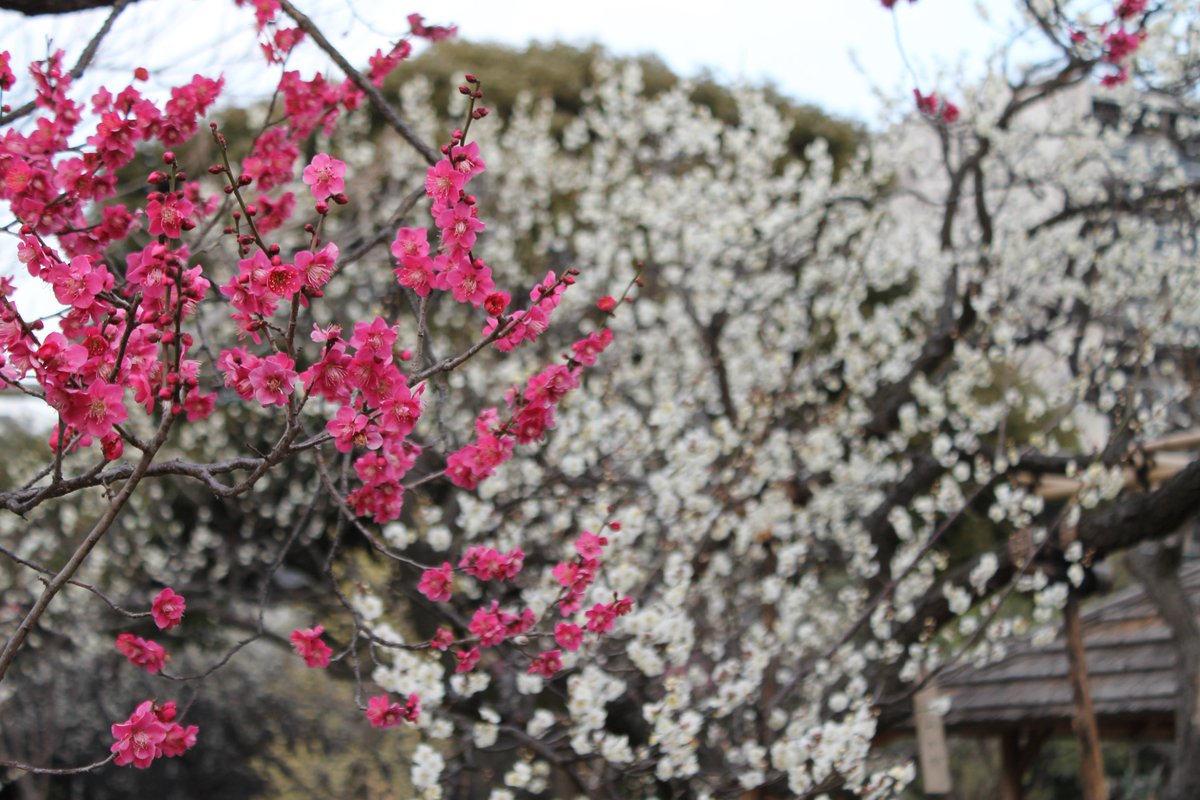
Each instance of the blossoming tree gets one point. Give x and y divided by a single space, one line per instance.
701 544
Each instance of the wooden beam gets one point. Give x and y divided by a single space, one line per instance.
1059 487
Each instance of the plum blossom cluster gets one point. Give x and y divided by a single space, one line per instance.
166 609
50 184
1114 41
930 105
314 103
453 267
115 335
309 645
530 412
151 732
490 625
377 411
143 653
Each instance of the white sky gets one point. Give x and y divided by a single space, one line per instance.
833 53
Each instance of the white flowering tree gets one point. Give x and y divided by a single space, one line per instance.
811 464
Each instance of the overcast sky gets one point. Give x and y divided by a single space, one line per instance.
833 53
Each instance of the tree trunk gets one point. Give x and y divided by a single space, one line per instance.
1157 567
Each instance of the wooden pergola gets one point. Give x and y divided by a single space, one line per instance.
1026 698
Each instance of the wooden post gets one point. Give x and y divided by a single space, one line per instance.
931 743
1011 768
1016 757
1086 730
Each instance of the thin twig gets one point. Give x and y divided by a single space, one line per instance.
30 768
56 584
33 565
85 59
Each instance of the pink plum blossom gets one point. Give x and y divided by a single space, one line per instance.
325 176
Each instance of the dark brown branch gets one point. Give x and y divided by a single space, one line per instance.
37 8
390 114
1141 517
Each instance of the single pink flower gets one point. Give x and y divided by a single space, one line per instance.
443 183
98 409
568 636
273 380
169 214
178 740
437 583
325 176
138 738
308 645
383 714
467 659
167 609
547 664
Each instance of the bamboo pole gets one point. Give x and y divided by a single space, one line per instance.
1169 457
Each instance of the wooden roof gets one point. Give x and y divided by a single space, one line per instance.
1131 664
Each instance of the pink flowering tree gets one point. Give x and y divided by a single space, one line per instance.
350 409
208 290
